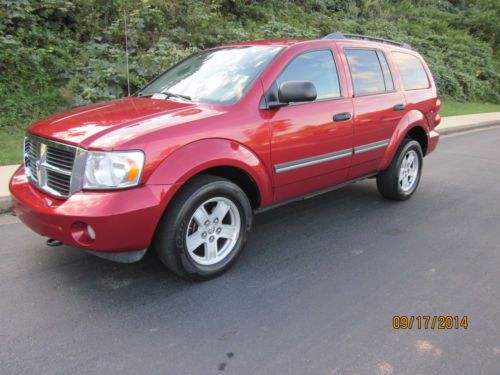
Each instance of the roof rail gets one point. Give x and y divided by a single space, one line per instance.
339 35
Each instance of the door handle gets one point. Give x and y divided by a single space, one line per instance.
399 107
342 116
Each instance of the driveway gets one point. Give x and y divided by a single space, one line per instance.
314 292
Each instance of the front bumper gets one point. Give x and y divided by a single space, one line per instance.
123 220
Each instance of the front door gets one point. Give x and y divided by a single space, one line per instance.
311 143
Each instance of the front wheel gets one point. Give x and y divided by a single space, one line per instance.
400 180
204 229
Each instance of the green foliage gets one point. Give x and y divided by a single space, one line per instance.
453 108
56 53
11 145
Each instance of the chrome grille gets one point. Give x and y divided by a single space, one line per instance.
31 156
59 182
60 158
51 165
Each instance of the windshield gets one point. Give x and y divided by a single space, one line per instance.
219 76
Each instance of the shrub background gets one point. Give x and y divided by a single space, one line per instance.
55 54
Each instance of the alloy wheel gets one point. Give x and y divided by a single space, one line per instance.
213 231
408 172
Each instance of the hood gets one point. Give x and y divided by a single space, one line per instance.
108 124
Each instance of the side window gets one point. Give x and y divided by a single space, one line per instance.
366 72
389 84
411 70
317 67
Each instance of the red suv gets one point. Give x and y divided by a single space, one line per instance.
182 164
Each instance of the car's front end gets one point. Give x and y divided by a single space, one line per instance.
86 199
85 181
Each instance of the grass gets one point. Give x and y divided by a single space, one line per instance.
11 141
11 146
451 108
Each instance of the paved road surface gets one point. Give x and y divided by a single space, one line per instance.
314 293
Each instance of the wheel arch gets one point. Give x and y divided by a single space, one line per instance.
220 157
417 133
239 177
414 125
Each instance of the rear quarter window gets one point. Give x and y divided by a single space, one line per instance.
411 71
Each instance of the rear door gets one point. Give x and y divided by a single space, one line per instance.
378 107
311 142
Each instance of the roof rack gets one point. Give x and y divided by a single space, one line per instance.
339 35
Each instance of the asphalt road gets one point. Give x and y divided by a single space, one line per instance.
314 292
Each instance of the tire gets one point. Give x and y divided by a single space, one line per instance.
394 183
195 238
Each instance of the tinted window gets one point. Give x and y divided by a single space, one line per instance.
389 85
317 67
411 70
218 76
366 72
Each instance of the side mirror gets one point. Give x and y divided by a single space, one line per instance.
297 91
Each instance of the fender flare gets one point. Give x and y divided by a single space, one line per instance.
195 157
410 120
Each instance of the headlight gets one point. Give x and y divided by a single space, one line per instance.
113 170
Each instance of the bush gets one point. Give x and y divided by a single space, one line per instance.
56 53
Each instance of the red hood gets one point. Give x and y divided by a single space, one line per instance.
94 125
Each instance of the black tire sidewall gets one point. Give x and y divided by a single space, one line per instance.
222 188
409 145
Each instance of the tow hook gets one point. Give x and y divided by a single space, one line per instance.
53 243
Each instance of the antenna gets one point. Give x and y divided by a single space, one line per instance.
126 52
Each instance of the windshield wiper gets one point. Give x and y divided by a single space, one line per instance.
172 94
167 94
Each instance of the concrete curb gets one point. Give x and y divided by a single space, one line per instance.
463 128
5 204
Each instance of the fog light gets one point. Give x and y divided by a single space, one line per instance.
91 232
83 233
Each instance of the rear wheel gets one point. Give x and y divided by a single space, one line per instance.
400 180
204 229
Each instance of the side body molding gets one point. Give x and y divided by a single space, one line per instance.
197 156
413 118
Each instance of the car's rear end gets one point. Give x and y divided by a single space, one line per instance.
419 89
